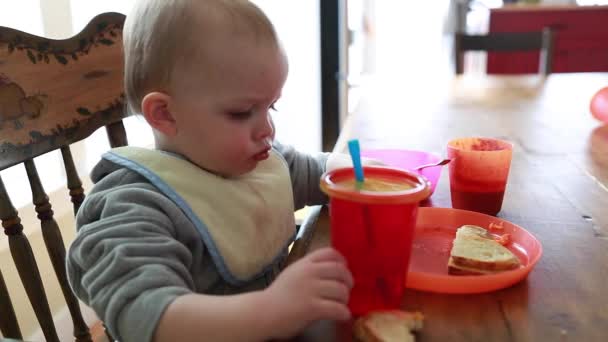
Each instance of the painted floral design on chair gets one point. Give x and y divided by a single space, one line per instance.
43 51
16 106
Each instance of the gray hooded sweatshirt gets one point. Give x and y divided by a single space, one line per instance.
136 250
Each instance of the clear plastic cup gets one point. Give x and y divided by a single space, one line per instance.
478 173
374 230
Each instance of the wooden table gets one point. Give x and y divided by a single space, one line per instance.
558 190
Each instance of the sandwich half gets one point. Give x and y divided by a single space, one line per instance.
474 251
388 326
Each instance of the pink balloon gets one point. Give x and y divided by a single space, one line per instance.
599 105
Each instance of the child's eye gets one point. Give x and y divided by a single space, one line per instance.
240 115
273 106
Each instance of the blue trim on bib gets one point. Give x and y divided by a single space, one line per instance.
198 223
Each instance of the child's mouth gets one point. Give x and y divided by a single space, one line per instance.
261 156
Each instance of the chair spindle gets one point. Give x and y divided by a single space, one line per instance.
117 135
25 262
55 248
74 182
8 321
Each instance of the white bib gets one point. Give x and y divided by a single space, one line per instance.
245 222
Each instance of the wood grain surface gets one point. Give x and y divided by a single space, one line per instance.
557 190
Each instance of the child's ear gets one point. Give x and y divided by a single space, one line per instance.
155 108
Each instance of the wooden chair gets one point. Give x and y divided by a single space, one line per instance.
507 41
54 93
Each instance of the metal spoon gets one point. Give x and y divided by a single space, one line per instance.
439 163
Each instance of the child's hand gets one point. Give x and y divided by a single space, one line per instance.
314 288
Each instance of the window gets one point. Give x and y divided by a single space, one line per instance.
24 15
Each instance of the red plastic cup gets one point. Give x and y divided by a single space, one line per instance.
374 231
478 173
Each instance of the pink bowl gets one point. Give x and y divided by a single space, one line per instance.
408 160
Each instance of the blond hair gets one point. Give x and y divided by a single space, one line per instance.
162 35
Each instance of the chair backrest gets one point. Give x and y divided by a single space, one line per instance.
506 41
54 93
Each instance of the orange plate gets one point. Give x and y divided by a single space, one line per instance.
435 231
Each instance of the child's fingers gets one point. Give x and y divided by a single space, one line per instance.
326 254
334 271
335 291
332 310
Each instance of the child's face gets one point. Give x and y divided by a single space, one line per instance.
221 106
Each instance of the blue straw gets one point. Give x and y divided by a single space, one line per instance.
355 154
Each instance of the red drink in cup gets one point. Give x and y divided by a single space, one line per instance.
478 173
372 225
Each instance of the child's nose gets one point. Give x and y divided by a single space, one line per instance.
265 128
